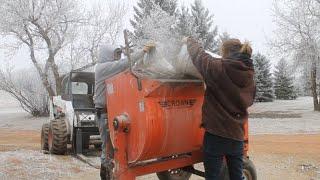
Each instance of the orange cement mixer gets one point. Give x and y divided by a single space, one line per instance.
155 125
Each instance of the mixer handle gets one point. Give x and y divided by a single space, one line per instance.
127 49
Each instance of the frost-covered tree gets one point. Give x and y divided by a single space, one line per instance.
203 23
144 8
198 23
41 25
48 29
60 35
222 37
185 23
157 27
306 86
103 24
283 82
263 79
302 80
24 87
297 35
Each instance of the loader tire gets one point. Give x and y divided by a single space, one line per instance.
44 137
249 171
57 137
174 174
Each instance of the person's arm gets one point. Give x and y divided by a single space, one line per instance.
137 55
111 68
114 67
204 62
141 52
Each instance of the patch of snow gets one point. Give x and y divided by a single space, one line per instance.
308 123
28 164
14 117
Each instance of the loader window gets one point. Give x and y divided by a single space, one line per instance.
79 88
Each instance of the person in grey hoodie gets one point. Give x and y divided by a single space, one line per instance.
109 64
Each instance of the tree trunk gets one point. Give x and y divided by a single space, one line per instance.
57 79
43 76
55 70
58 85
316 105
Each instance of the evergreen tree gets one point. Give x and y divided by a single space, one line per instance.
145 7
222 37
185 23
198 23
283 84
263 79
203 22
158 27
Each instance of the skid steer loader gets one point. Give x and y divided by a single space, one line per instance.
72 116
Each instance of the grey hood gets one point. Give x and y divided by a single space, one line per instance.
106 53
105 68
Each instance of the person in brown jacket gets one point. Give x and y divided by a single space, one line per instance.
230 90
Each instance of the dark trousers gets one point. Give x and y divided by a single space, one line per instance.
215 149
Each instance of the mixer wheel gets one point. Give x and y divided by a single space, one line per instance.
174 174
249 171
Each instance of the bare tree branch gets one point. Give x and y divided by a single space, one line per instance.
297 34
31 100
60 35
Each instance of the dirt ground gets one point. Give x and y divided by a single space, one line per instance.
295 157
277 157
284 144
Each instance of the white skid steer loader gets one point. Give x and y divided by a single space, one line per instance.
72 116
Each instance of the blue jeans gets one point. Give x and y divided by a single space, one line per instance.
103 135
215 149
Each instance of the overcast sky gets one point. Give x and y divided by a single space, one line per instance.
246 19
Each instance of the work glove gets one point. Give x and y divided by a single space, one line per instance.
124 50
184 40
148 47
194 47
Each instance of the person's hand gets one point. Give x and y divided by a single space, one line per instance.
148 47
124 50
184 40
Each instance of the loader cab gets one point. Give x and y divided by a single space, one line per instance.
78 87
77 111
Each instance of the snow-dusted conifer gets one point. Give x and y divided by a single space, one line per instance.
158 27
222 37
203 22
263 79
283 82
185 23
144 8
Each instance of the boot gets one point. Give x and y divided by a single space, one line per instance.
103 172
